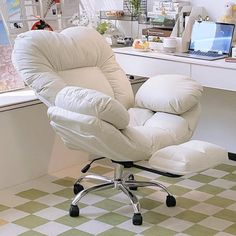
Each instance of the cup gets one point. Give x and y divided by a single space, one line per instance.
169 44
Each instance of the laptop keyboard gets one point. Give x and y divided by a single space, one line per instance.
208 54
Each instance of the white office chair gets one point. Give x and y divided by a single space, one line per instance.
92 107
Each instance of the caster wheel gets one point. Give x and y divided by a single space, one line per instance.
131 177
78 188
74 211
137 219
170 201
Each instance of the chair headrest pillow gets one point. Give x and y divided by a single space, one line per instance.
172 93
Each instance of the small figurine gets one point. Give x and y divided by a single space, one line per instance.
75 19
84 19
80 19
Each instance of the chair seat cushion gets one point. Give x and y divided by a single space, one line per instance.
161 128
174 94
189 157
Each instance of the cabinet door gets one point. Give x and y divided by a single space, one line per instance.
144 66
213 77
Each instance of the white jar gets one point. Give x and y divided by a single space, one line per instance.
169 44
234 52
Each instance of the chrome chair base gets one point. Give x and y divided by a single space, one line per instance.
121 181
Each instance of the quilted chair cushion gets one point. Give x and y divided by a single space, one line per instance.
173 94
93 103
49 61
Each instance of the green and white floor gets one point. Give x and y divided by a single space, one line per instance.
206 205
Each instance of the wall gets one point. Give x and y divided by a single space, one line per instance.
215 8
218 118
30 148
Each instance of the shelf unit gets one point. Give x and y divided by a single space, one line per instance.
163 14
143 22
129 12
129 15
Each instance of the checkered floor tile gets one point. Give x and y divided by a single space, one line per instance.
206 205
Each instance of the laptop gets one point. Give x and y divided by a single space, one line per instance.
210 41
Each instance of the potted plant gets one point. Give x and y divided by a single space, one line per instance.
135 6
102 27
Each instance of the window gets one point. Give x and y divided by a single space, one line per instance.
9 79
20 15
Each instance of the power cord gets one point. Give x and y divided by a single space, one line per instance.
87 167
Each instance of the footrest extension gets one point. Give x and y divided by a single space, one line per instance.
189 157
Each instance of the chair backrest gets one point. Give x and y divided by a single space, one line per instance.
77 56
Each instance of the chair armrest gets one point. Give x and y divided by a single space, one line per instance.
174 94
93 103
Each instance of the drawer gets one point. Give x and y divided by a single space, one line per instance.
144 66
214 77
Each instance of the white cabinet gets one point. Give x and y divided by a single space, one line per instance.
214 77
146 66
213 74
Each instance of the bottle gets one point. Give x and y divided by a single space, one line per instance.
58 7
59 13
142 19
234 52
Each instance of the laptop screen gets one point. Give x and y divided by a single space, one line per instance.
211 37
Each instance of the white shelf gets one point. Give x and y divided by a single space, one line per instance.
17 99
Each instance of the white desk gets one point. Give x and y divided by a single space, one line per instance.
213 74
218 118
